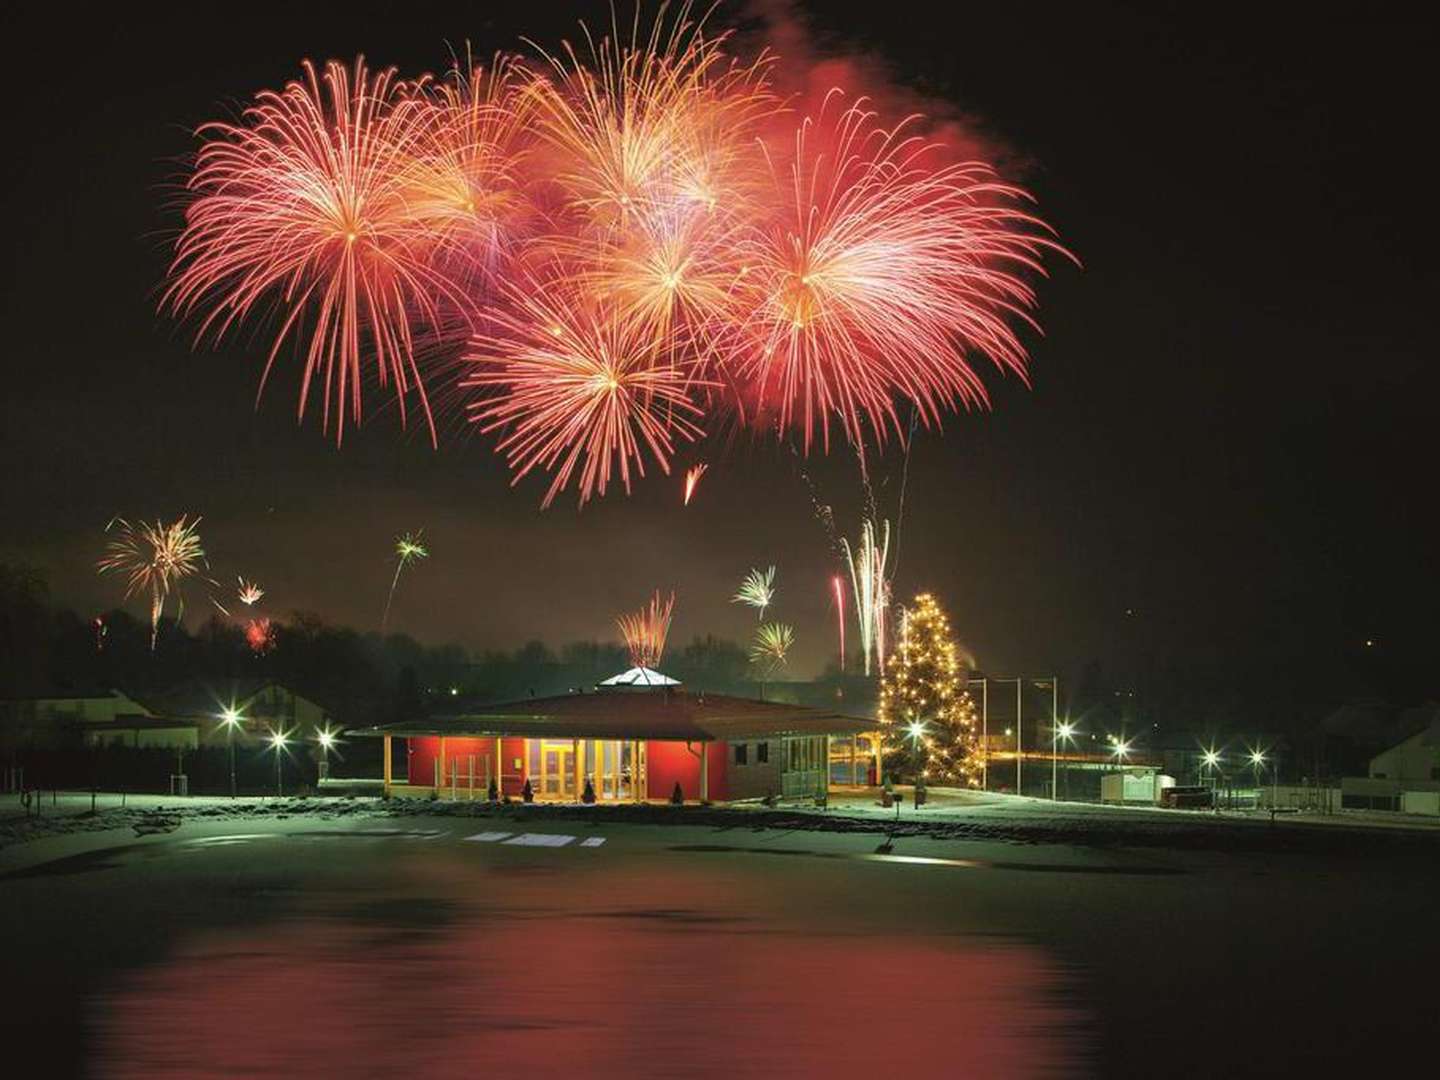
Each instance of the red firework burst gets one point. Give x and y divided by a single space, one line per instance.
577 386
260 635
303 205
619 232
645 631
878 277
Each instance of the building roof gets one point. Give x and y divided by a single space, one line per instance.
198 698
672 715
640 676
60 693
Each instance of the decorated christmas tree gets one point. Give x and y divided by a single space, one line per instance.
928 720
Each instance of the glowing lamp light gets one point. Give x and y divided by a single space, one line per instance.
1212 758
327 738
279 740
917 729
1257 757
1066 730
230 718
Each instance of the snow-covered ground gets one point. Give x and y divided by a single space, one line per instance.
956 815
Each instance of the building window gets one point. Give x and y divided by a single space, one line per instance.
742 753
762 753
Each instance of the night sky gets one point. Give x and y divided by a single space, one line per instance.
1227 454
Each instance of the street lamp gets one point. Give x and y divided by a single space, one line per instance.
1211 760
1257 762
230 720
326 738
1121 751
278 741
1057 732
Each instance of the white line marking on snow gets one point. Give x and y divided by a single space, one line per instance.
488 837
593 841
535 839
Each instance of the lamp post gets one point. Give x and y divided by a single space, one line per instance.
1257 760
326 738
916 731
1211 759
230 719
278 741
1058 732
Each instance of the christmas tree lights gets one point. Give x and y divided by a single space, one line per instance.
928 719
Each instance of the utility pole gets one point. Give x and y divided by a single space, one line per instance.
985 734
1019 730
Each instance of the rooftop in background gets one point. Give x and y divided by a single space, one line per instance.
640 676
669 714
199 698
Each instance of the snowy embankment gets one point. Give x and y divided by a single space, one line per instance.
966 817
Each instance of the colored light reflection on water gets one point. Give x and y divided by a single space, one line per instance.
696 971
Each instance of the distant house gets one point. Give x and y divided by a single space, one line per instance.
1417 758
260 706
100 717
1405 777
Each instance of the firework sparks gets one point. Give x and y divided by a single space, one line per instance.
306 201
771 645
868 567
247 592
645 631
463 185
692 480
653 126
880 276
156 559
757 590
578 388
837 589
409 548
260 635
101 631
628 237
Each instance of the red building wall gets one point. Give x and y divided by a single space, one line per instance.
668 762
423 751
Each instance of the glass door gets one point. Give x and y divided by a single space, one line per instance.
557 769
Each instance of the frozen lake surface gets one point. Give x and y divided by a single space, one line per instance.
444 946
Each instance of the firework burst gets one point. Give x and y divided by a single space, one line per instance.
757 590
771 646
609 243
652 126
464 184
692 480
305 205
247 592
574 387
868 568
645 631
880 277
155 559
409 548
260 636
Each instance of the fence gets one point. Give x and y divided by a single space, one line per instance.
206 770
